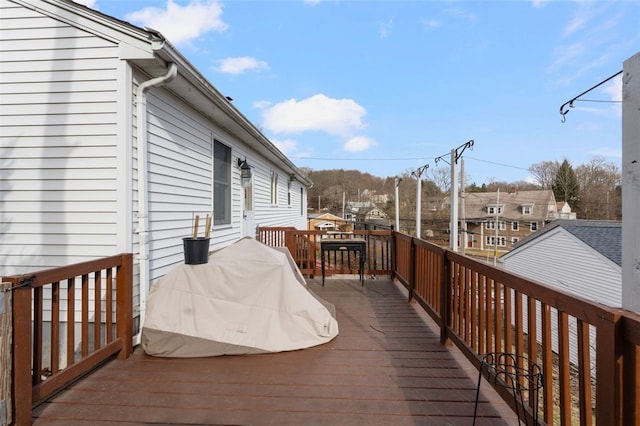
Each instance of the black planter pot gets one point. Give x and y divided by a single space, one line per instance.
196 250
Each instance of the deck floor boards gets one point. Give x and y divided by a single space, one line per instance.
386 367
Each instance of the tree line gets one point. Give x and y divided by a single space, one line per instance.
593 190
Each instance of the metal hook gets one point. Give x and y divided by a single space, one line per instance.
569 103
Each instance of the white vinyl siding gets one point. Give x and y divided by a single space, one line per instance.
570 266
69 148
180 153
58 150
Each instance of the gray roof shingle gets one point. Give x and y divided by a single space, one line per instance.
603 236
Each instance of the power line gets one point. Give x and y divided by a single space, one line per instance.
497 164
400 159
358 159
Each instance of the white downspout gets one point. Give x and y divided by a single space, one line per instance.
142 163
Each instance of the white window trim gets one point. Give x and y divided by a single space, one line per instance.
217 220
491 225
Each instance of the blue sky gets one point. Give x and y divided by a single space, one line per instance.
387 86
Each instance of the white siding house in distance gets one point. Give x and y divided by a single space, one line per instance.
579 257
582 257
111 141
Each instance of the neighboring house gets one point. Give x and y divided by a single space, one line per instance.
583 257
363 211
564 211
328 222
580 257
112 141
496 221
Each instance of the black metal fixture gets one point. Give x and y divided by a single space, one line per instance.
245 170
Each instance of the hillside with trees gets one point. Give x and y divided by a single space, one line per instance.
593 190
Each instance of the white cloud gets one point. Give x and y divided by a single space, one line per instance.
241 64
88 3
261 104
607 152
539 3
358 143
385 27
614 89
318 113
181 24
576 23
287 146
565 55
460 13
431 23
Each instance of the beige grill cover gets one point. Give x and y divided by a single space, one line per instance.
249 298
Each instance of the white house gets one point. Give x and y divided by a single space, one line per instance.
581 257
111 141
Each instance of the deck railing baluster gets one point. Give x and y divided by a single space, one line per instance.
31 382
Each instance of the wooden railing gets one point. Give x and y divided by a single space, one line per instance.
588 352
304 246
481 309
97 297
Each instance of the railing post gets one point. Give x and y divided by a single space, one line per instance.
608 371
394 255
631 368
22 332
6 330
445 295
412 269
290 243
124 304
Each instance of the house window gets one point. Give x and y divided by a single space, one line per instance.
492 209
274 187
534 226
221 184
301 201
515 226
491 241
492 225
526 209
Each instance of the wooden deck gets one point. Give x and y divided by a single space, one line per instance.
386 367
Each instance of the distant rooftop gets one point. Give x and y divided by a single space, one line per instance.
604 236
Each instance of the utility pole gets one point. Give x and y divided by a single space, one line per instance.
397 184
454 200
418 174
463 221
495 251
455 156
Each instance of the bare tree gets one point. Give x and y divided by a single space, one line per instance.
599 182
544 173
441 176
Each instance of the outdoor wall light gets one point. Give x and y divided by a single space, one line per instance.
245 170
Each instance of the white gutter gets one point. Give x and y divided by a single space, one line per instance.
143 213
